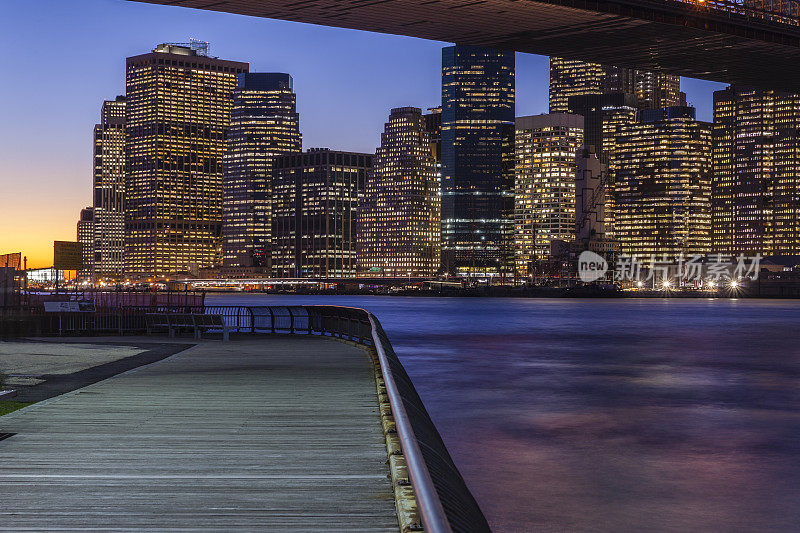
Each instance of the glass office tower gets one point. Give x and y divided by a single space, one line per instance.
477 161
264 125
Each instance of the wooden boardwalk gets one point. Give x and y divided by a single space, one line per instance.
270 434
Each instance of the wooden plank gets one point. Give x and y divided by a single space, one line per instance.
275 434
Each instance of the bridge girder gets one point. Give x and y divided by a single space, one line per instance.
674 36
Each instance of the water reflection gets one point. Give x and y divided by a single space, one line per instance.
609 415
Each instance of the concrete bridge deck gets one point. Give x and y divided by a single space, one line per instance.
271 434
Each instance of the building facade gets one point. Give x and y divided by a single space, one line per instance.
399 219
109 192
477 161
544 210
179 104
85 234
314 213
264 125
570 77
591 192
661 170
756 179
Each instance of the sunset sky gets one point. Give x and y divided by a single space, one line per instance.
61 59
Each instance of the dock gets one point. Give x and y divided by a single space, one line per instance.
269 418
273 433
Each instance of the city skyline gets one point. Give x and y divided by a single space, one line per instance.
62 126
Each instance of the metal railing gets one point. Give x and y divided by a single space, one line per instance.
445 503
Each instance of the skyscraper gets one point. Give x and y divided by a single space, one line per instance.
544 210
603 114
85 234
756 179
315 200
661 167
264 124
399 224
570 77
657 90
109 191
179 104
477 160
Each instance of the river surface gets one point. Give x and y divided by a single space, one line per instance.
607 415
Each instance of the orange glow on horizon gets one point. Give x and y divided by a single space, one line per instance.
32 232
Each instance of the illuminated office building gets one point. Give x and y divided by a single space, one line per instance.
756 179
85 234
264 124
399 224
477 161
179 104
603 114
570 77
661 168
109 191
544 210
314 212
657 90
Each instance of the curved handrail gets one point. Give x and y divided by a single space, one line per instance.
434 518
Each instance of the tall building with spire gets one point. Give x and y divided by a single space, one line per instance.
264 125
399 222
477 161
109 192
179 103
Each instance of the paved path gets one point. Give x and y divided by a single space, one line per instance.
269 434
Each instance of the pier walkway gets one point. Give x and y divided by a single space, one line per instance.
274 433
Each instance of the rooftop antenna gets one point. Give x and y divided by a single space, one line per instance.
201 47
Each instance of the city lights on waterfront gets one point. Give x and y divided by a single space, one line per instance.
501 210
402 266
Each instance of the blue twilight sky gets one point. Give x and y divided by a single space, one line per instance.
61 58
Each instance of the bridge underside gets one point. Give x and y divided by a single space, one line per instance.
660 35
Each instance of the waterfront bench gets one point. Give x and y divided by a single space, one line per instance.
210 322
157 322
198 323
7 394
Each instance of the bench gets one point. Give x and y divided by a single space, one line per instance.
172 322
157 321
209 322
7 394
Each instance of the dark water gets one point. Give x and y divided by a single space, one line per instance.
608 415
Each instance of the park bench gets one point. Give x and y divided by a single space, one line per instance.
209 322
7 394
173 322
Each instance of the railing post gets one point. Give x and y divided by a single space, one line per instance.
272 320
252 320
291 320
